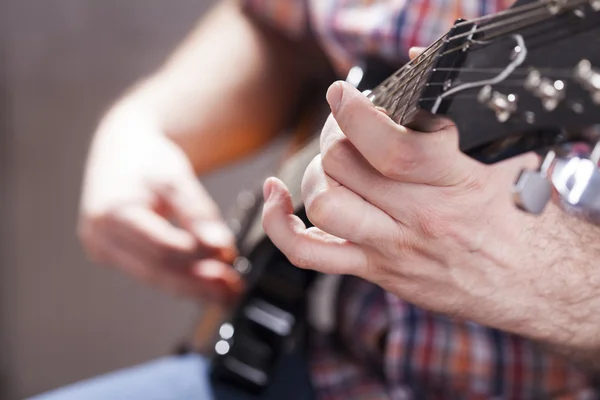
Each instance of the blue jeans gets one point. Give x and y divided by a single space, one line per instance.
184 378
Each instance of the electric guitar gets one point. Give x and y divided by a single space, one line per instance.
524 79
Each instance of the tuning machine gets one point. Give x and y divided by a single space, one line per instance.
533 190
571 179
550 92
555 6
503 105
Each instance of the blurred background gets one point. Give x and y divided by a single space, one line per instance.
62 63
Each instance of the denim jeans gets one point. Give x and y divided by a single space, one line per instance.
184 378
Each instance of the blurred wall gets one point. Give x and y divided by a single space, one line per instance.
64 61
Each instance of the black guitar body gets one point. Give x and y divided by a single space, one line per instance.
269 322
271 319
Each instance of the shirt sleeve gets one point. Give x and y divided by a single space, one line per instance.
288 16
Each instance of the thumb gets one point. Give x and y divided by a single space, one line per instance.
195 211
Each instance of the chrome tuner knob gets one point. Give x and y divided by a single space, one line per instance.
572 181
576 180
550 92
533 190
503 105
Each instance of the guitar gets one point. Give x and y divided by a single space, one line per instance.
524 79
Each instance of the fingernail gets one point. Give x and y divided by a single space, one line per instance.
214 234
334 96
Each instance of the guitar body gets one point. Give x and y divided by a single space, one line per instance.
246 343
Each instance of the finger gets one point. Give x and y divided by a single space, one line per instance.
307 248
341 212
160 239
159 246
221 278
131 258
342 163
395 151
196 211
413 52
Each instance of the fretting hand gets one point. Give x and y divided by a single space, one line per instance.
408 211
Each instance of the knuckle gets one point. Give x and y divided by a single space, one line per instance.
301 256
398 161
321 208
431 223
166 187
336 154
402 239
166 254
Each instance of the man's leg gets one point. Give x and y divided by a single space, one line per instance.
183 378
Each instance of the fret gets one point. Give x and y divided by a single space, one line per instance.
398 93
413 87
412 91
422 80
401 102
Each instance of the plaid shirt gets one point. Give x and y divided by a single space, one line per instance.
384 347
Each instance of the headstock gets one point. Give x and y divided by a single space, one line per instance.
525 79
531 79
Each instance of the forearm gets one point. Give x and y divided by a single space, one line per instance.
570 250
228 89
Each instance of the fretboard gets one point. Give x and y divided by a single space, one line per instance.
403 93
399 94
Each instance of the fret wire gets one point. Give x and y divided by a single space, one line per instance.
411 100
423 59
418 62
403 99
424 66
504 13
402 78
401 103
494 23
384 86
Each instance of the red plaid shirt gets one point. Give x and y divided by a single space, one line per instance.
384 347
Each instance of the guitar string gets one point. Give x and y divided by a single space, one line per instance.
510 11
410 65
491 70
514 10
399 83
501 23
399 87
531 14
513 28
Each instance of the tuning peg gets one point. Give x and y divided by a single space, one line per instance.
532 190
576 180
503 105
572 180
550 92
